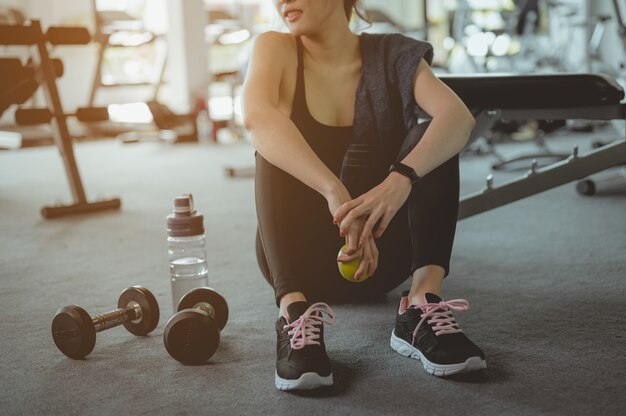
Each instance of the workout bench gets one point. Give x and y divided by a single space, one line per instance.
544 97
23 80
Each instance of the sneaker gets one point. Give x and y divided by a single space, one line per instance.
301 361
429 333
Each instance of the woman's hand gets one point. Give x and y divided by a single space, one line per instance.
368 253
336 198
380 203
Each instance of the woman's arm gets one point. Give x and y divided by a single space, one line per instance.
273 134
451 124
447 134
280 142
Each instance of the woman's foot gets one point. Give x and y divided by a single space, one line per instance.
429 333
301 360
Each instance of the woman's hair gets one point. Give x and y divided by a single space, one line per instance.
351 6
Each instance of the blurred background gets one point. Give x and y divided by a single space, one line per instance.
149 62
152 91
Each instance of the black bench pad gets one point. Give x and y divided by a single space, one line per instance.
534 91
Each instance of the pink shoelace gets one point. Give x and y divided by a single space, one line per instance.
441 316
304 331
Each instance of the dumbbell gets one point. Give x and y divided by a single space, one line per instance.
192 335
74 331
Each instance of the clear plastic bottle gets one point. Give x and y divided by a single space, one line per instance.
204 124
186 248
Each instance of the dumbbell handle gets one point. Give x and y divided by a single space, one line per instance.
207 307
132 312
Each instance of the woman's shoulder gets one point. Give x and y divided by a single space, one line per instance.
276 44
394 47
390 41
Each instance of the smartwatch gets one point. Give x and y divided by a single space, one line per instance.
405 170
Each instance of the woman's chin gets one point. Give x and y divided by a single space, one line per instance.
299 28
300 31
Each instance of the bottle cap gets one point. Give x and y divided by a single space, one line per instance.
184 221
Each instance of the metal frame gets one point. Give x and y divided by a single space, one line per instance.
537 180
34 36
102 39
621 22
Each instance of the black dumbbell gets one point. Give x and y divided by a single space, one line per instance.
74 331
192 335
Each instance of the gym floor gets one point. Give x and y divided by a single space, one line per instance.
545 277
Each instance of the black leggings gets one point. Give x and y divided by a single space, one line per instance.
297 243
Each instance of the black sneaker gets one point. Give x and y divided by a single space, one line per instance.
429 333
301 360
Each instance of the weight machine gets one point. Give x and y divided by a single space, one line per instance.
21 83
549 96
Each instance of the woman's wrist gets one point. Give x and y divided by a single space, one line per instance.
336 195
336 190
397 179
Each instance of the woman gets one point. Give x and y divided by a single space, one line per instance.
322 104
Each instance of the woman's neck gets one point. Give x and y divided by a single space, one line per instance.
332 47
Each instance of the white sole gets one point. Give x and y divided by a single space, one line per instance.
306 381
471 364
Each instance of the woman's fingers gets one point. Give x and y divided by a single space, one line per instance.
354 214
367 229
344 209
346 223
374 261
364 263
352 239
369 260
384 222
349 257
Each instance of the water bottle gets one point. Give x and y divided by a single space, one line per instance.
186 247
204 124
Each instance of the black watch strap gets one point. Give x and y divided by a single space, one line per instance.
405 170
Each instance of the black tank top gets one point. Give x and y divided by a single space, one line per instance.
328 142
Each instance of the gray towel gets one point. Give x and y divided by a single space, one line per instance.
385 108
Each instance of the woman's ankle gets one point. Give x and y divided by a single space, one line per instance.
426 279
289 298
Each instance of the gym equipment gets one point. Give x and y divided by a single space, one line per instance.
18 85
26 35
183 125
115 29
239 172
618 6
11 15
609 182
19 82
550 46
612 180
538 180
171 127
550 96
74 331
32 116
45 73
348 269
192 335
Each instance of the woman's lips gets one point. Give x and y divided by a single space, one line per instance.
292 16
